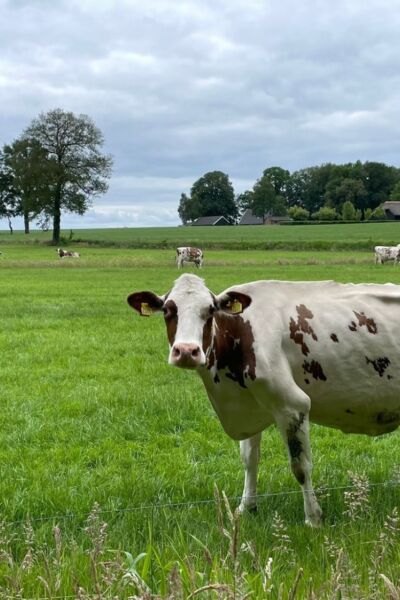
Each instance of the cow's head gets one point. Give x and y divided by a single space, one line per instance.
188 312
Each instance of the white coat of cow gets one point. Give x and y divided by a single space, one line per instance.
189 254
287 353
67 253
386 253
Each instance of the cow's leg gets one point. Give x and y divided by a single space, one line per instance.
250 453
294 428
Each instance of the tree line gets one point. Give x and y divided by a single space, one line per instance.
55 166
352 191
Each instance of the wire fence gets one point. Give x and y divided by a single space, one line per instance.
187 505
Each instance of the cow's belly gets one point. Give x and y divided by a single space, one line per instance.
354 397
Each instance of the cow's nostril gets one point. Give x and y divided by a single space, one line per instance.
176 352
195 352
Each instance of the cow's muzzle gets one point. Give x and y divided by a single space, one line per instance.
187 356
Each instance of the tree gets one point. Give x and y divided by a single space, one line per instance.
280 179
395 193
80 171
32 174
7 193
266 200
244 201
210 195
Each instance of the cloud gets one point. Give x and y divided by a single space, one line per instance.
180 87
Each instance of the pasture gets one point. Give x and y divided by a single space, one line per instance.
92 413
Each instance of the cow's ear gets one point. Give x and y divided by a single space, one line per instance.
145 303
233 303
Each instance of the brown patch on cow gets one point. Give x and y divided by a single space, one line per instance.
300 327
386 417
380 364
315 369
136 300
295 447
232 348
353 326
171 320
334 338
364 321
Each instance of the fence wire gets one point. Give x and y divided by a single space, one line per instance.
192 503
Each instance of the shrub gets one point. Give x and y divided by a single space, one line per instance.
298 213
325 214
378 213
348 211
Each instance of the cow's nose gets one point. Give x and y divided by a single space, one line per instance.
186 355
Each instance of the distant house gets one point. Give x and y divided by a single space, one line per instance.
216 221
392 209
249 219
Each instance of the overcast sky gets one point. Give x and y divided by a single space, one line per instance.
182 87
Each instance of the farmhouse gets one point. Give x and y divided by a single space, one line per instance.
392 210
217 221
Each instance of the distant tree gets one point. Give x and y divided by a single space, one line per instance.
244 201
297 213
211 195
395 193
265 199
32 175
379 180
345 189
280 179
7 193
368 214
188 209
80 170
325 214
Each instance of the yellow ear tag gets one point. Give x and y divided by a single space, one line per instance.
145 309
235 307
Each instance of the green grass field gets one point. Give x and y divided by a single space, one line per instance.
91 412
346 236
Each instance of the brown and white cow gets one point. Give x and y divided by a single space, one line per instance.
287 353
189 254
67 254
386 253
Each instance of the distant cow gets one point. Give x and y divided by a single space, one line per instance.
386 253
189 254
67 254
287 353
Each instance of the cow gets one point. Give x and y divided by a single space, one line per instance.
189 254
287 353
386 253
67 254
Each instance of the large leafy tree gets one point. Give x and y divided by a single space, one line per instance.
80 172
280 179
265 200
7 192
212 194
32 177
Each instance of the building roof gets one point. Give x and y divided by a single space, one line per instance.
392 206
249 219
210 220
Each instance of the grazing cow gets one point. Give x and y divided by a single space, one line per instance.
287 353
386 253
189 254
67 254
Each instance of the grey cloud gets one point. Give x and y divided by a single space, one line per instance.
181 87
